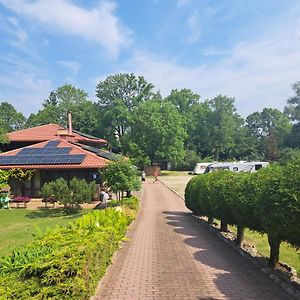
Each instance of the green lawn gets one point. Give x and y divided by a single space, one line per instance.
19 226
174 173
288 254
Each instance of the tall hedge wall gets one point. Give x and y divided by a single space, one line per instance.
267 201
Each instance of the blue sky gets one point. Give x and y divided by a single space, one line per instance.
247 49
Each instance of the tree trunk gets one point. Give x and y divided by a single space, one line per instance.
210 220
274 243
128 194
224 226
240 235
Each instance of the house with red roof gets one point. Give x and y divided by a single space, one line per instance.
53 152
29 136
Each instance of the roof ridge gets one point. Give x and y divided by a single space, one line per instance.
24 129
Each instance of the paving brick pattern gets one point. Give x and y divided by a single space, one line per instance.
169 255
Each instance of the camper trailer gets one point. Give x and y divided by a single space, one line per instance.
243 166
200 168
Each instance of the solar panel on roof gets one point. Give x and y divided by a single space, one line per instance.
49 154
64 150
49 151
35 160
7 160
76 158
26 151
20 160
49 159
8 157
52 144
37 151
62 159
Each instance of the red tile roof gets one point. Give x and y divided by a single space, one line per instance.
49 132
91 160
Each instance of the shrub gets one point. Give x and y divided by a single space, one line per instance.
190 195
204 196
78 191
131 203
246 190
221 184
66 263
267 201
279 206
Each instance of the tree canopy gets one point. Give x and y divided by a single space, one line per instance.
121 176
156 133
138 122
67 98
10 118
118 95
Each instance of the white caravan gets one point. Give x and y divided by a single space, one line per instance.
251 166
200 168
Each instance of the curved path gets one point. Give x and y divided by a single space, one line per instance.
169 255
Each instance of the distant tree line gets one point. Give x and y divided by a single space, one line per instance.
138 122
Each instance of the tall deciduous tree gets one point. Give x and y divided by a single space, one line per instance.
292 110
118 96
269 127
293 104
10 118
223 123
156 133
68 98
184 100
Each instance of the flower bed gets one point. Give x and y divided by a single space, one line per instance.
21 201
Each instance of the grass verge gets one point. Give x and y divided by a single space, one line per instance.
19 226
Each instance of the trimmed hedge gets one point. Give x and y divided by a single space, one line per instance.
66 263
267 201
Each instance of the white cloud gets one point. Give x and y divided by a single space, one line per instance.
21 34
72 66
24 90
99 24
258 73
194 26
213 51
181 3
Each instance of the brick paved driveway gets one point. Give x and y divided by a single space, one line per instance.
169 255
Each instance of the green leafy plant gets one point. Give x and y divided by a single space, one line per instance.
67 262
121 176
71 194
266 201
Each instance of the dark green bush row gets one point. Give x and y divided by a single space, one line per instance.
267 201
66 263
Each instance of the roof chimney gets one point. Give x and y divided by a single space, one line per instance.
70 123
